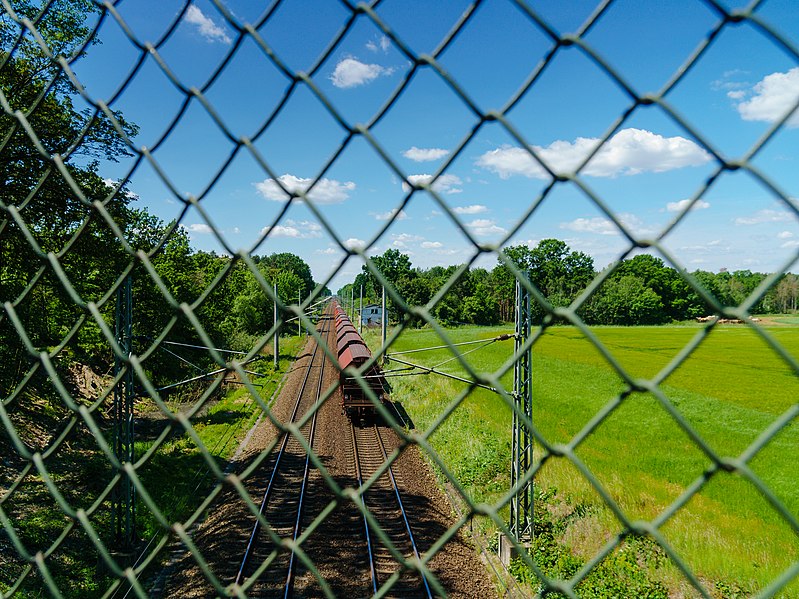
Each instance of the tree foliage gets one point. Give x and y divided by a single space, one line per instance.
57 209
640 290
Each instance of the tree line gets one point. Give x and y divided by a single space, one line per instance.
68 234
641 290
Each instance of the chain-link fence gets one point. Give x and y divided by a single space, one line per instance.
72 239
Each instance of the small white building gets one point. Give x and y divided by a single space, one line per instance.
372 315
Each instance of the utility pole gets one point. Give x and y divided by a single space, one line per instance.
383 319
277 332
352 303
360 314
299 322
123 496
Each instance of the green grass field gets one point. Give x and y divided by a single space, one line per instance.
729 390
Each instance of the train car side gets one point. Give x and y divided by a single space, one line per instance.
353 352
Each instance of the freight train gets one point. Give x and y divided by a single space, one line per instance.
352 351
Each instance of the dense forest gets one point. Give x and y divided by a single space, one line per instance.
637 291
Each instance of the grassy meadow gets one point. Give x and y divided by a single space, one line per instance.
729 390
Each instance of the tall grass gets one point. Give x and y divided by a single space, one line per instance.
729 391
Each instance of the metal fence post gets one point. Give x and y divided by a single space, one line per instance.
360 314
123 496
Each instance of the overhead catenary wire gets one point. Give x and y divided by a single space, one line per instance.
487 343
221 351
411 367
182 359
310 309
205 376
429 370
503 337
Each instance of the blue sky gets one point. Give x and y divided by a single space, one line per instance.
645 174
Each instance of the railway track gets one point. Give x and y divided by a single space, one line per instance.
348 556
267 567
384 500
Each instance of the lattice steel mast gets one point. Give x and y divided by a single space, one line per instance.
123 497
521 506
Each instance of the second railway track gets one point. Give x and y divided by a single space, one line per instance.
267 568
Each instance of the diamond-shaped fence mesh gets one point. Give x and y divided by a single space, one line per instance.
81 449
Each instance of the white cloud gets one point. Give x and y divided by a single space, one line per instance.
329 251
111 184
281 231
604 226
447 184
774 95
766 215
351 72
629 152
473 209
354 243
297 230
407 237
382 44
732 80
207 28
784 235
402 240
713 246
199 228
794 243
737 94
483 227
424 154
598 225
389 214
432 245
326 191
679 206
312 229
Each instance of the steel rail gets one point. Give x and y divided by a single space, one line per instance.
273 476
369 548
289 587
403 511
